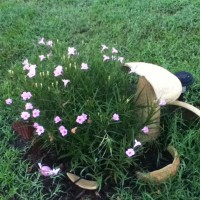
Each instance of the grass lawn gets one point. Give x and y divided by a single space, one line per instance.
163 32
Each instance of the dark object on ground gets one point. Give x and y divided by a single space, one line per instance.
186 80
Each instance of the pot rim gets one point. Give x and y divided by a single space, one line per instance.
163 174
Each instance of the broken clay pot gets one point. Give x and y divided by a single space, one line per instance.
83 183
163 174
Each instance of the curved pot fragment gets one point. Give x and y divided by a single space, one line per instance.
82 183
161 175
186 106
165 84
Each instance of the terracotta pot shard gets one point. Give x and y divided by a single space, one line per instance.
82 183
25 130
163 174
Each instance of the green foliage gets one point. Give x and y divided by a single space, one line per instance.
15 180
99 144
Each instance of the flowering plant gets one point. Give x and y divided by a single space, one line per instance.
81 106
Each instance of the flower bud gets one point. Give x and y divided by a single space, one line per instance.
73 130
11 72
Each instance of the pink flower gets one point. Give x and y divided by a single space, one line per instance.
26 67
39 130
25 62
115 117
26 95
104 47
41 41
105 58
121 59
63 130
47 171
32 71
57 119
84 116
36 113
71 51
28 106
25 115
137 143
114 50
130 152
32 67
84 66
35 125
145 129
58 70
57 73
80 119
65 81
42 57
50 43
8 101
162 102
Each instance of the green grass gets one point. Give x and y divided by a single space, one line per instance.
162 32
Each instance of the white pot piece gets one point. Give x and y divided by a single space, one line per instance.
165 84
155 85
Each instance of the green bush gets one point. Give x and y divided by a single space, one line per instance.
94 99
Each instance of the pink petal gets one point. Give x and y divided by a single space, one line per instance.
162 102
114 50
8 101
115 117
130 152
145 129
